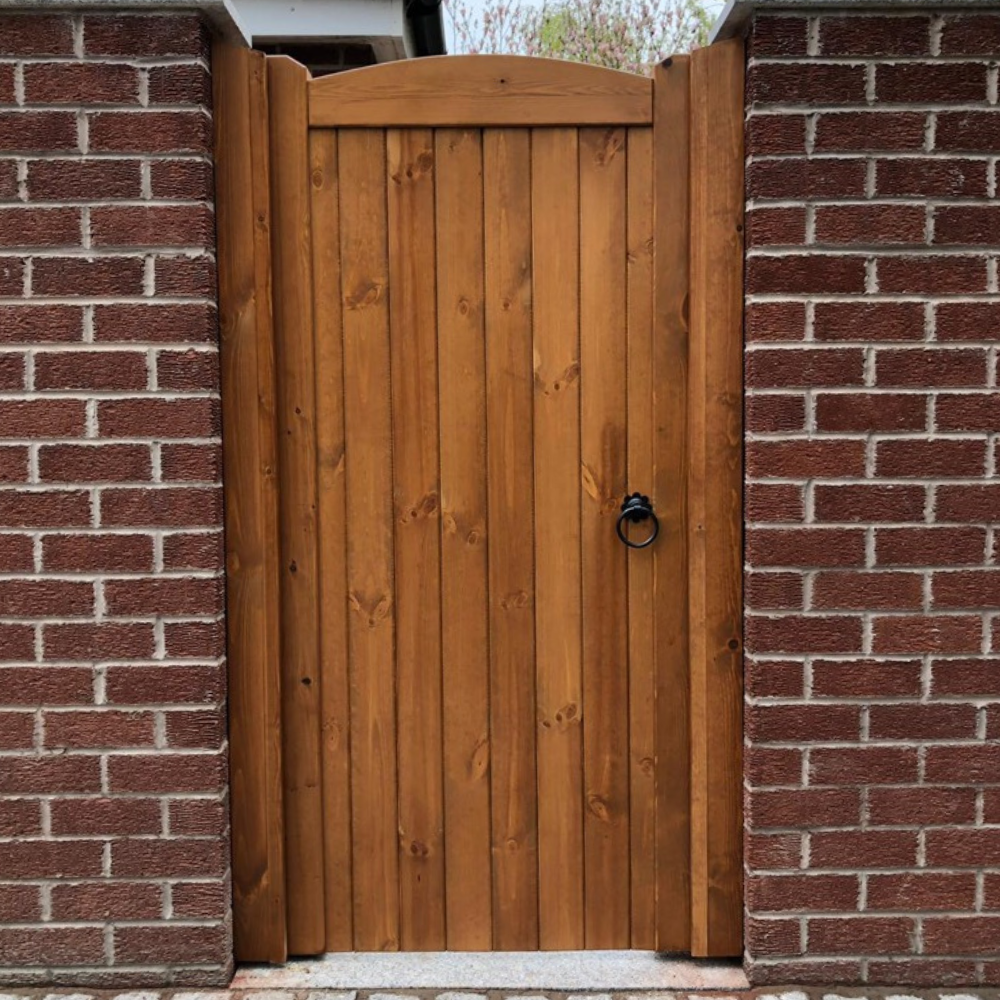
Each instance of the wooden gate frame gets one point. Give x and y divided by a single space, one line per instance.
699 311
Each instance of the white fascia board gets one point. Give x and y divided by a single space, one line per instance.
304 20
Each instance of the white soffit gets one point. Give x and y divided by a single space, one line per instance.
319 20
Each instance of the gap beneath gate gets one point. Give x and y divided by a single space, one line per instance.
540 970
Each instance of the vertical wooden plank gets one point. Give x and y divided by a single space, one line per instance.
604 559
642 606
715 496
253 609
371 617
416 508
671 127
332 545
555 206
464 608
507 187
293 325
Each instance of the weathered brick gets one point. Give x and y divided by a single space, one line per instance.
24 324
138 36
98 641
865 678
921 805
83 180
73 463
801 178
869 224
97 553
929 546
156 324
967 321
108 901
36 34
930 83
976 34
930 178
812 274
28 132
807 368
870 412
96 817
927 634
149 132
159 226
77 277
81 83
840 936
806 83
869 132
801 633
40 227
121 371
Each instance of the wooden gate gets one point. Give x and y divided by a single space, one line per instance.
468 305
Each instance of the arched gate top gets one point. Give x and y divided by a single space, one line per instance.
480 91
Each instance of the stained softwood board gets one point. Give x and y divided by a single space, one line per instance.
672 109
555 209
500 729
715 476
332 539
416 511
250 469
371 597
464 585
301 682
604 561
510 534
480 91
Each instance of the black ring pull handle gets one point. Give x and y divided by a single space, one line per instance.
636 509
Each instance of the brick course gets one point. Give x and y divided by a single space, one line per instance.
112 676
873 649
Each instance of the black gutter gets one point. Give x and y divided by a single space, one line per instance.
425 19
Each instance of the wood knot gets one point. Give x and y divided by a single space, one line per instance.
515 601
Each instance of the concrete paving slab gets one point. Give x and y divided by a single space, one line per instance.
567 971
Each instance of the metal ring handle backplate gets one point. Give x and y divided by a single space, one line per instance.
636 509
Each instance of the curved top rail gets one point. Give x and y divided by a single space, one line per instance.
441 91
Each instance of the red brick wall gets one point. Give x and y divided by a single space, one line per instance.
114 863
873 317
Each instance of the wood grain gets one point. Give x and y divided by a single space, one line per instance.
464 603
604 562
416 509
507 186
555 208
715 497
250 470
641 580
371 595
480 91
670 358
332 548
300 675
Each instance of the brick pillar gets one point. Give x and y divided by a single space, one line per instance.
114 869
873 675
